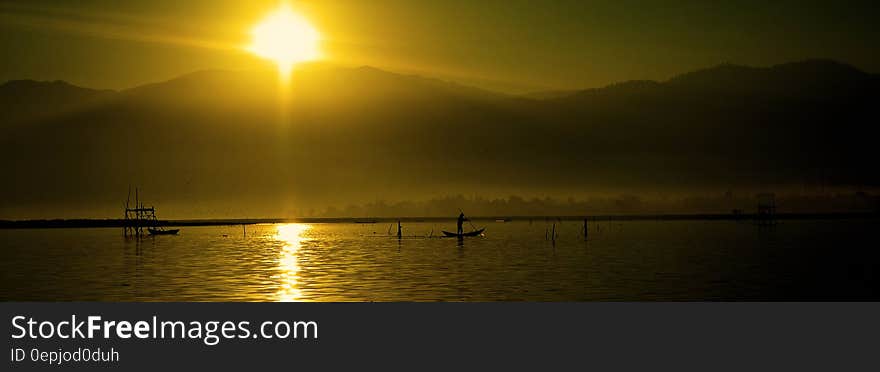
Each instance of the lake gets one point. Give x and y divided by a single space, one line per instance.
514 261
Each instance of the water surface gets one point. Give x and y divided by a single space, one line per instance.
514 261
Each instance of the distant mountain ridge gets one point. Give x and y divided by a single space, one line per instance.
22 99
355 134
816 70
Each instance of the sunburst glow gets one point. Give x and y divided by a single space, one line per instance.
286 38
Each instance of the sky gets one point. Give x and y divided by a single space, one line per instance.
512 45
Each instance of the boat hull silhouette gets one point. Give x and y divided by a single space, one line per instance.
470 233
163 232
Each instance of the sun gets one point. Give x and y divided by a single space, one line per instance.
286 38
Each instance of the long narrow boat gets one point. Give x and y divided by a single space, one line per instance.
163 232
469 233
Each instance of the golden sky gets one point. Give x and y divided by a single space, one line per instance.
503 45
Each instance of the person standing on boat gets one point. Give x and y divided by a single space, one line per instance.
461 220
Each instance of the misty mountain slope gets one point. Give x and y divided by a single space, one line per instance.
803 120
312 83
219 143
31 100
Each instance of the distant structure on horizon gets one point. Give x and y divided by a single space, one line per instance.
138 217
766 214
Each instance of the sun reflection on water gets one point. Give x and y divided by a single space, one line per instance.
288 262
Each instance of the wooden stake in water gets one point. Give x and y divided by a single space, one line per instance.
586 232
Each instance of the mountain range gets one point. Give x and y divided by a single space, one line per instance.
239 144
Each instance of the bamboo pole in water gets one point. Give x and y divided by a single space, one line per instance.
586 231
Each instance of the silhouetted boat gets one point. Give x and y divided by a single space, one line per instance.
163 232
470 233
